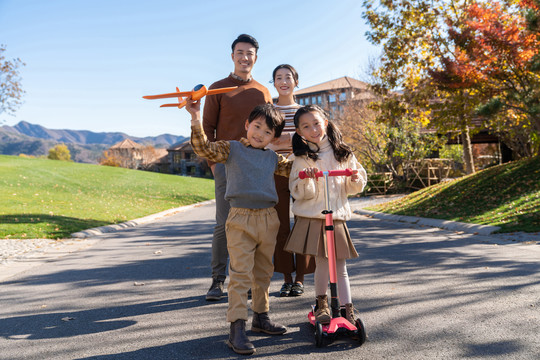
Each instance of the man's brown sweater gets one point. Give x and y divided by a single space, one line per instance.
225 115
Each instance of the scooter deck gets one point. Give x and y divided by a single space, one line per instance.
335 324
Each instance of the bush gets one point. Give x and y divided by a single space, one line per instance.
59 152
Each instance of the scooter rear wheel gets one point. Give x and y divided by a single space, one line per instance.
361 331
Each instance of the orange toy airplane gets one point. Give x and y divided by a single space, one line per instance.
197 93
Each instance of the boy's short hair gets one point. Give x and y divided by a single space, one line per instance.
245 38
273 117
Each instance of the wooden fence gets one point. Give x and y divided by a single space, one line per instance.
426 172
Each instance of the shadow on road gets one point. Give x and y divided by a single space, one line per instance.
418 289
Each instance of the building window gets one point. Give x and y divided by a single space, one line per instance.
342 96
332 98
313 100
301 101
319 99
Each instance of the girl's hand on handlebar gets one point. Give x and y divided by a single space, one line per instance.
355 177
311 172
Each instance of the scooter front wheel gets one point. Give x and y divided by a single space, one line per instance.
318 334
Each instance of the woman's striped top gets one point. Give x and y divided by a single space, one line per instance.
288 112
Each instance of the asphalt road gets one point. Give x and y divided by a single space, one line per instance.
423 293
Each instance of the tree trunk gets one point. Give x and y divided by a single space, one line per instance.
467 151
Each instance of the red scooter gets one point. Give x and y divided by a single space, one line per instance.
338 324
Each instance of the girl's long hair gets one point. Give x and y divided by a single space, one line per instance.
301 147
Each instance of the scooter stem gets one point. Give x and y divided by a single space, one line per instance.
330 243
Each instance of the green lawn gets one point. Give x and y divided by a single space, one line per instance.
51 199
507 195
43 198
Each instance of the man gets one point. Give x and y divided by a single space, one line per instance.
224 118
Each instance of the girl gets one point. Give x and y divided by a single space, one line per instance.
285 80
318 145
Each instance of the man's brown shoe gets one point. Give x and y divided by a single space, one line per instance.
215 292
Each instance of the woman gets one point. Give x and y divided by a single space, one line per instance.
285 79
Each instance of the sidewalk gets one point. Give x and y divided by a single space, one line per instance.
359 204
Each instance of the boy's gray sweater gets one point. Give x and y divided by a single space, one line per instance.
250 177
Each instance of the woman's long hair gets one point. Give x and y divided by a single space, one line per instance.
301 147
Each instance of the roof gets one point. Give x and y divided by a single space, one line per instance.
184 145
344 82
161 156
127 144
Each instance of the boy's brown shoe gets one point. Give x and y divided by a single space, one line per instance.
238 340
262 323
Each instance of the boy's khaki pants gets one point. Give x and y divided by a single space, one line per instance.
251 239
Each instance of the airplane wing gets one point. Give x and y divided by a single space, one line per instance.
169 95
220 90
178 105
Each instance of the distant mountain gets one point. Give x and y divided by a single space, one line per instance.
84 146
85 137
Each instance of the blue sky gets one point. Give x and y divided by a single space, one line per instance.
89 62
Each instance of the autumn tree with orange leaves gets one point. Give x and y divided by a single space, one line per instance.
495 59
446 88
414 37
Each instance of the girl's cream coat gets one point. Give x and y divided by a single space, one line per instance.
309 193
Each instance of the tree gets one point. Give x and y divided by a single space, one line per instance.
458 61
59 152
11 91
385 146
414 37
109 159
149 155
494 59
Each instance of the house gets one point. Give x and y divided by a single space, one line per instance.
158 161
184 161
128 153
333 95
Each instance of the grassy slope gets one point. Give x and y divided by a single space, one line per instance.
51 199
506 195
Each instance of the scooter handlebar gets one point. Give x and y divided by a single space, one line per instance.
346 172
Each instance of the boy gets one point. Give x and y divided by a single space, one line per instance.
252 224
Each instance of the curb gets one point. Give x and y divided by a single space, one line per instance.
132 223
443 224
